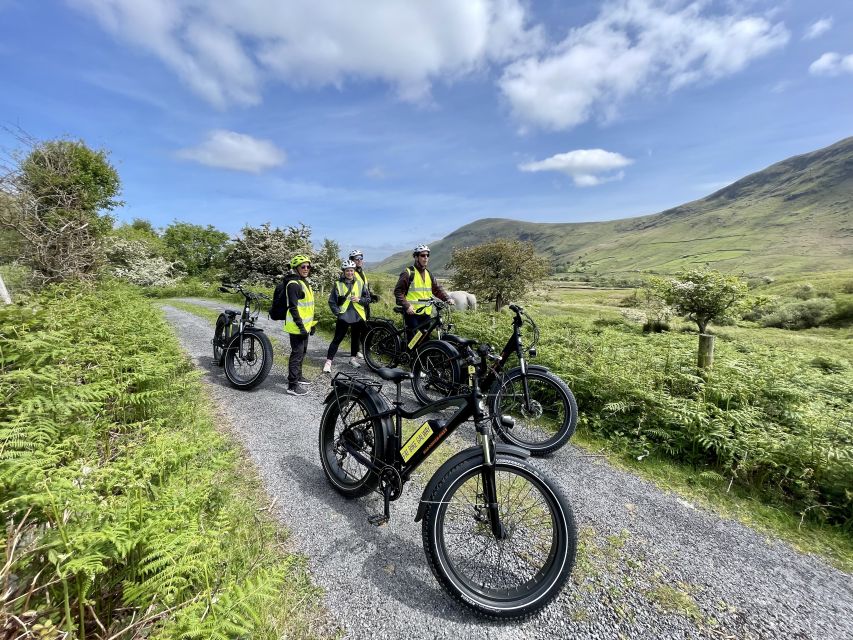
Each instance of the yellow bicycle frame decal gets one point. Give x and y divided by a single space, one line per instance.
417 440
414 340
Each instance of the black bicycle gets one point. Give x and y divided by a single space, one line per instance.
542 406
499 534
242 348
387 346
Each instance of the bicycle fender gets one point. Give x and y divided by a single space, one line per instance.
464 455
530 367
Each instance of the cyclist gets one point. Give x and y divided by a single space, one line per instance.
417 283
299 321
358 258
347 301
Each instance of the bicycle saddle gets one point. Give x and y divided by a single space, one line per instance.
462 342
394 375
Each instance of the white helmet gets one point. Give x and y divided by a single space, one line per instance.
421 248
355 253
347 264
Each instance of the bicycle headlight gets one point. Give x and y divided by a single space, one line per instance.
481 405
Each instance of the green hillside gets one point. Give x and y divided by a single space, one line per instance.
795 216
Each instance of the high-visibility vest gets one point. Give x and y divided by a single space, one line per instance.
306 311
357 288
361 276
420 288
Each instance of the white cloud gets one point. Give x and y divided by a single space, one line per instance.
225 51
832 64
376 173
236 151
818 28
587 167
633 46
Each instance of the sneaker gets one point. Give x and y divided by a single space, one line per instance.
304 381
359 355
327 368
354 362
296 390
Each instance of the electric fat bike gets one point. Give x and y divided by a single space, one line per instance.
542 406
239 346
387 346
498 533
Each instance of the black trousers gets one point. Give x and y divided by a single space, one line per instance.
341 328
414 322
298 347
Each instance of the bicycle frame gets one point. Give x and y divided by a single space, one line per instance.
405 457
248 316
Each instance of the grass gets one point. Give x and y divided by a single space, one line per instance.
736 503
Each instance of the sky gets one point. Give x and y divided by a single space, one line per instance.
384 124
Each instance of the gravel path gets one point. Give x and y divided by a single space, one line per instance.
649 564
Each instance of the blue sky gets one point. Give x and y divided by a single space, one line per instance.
388 123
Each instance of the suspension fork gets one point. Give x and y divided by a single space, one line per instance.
486 439
519 350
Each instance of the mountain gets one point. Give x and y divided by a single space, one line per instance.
795 216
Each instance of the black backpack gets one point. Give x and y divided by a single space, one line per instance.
278 310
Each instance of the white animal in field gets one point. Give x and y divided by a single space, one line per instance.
463 300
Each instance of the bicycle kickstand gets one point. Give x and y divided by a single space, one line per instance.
377 520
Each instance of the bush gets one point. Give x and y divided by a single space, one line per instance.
805 291
801 315
843 309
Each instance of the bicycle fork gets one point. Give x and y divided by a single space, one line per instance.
490 493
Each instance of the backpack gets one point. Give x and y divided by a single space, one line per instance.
278 310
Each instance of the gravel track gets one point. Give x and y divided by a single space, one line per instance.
650 565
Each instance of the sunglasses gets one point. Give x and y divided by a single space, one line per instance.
304 266
423 255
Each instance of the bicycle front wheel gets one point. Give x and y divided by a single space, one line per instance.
382 347
435 372
248 360
510 578
544 420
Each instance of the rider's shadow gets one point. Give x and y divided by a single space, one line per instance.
398 568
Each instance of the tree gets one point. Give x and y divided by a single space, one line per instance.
327 265
263 254
198 248
138 262
58 196
703 295
502 270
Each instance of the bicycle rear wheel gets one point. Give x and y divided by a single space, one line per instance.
511 578
545 422
220 338
349 476
248 360
382 347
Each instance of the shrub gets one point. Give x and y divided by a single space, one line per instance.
801 315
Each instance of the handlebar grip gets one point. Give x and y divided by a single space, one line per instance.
515 308
224 289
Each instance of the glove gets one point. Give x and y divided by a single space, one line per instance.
302 330
313 329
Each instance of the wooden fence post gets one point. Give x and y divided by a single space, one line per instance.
706 351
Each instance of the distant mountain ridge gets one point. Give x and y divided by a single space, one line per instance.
794 216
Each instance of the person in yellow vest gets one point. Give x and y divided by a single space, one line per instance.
299 321
416 285
358 258
347 300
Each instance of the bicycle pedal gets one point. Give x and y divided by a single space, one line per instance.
378 520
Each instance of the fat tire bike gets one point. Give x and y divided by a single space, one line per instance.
239 346
498 533
543 409
387 346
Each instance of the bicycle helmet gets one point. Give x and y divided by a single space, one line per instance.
347 264
298 259
421 248
356 253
